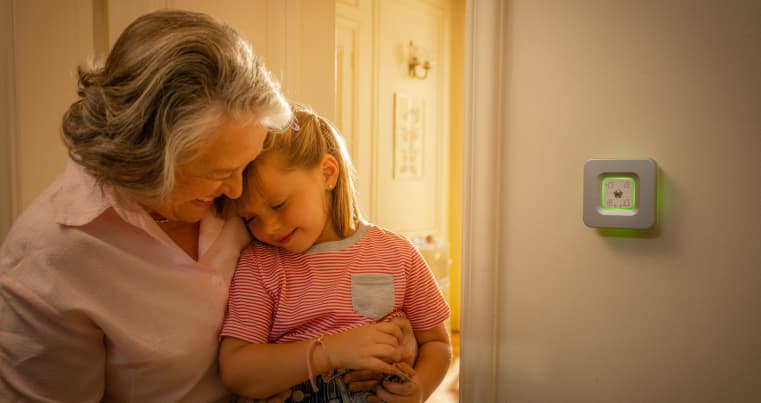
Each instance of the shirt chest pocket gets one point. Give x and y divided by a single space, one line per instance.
372 295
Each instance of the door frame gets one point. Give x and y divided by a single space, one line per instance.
485 94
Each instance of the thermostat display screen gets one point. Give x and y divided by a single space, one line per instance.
619 193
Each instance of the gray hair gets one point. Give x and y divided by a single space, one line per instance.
171 78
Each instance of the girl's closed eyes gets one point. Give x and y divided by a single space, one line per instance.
276 207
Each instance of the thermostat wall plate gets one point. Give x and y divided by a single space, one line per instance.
620 193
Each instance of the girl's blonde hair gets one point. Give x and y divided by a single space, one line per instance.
303 145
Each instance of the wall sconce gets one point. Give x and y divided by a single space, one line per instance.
416 66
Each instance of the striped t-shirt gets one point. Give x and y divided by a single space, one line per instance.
279 296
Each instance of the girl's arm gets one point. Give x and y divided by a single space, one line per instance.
434 358
262 370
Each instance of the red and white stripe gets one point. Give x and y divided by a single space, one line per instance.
277 296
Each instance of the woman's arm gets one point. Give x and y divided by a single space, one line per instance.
262 370
44 355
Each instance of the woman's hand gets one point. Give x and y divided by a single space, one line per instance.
409 344
278 398
398 391
362 380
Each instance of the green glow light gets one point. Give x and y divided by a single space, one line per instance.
628 183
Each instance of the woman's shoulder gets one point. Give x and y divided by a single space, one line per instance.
38 253
34 231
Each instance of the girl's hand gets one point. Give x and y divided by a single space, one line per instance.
397 391
371 346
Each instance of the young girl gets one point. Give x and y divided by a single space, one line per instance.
315 292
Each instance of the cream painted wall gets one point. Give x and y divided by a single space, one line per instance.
371 56
7 121
50 39
667 316
415 206
354 91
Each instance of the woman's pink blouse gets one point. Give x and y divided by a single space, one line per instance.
98 304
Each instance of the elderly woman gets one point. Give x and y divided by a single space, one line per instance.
113 282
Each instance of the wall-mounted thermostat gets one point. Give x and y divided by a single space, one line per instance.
620 193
